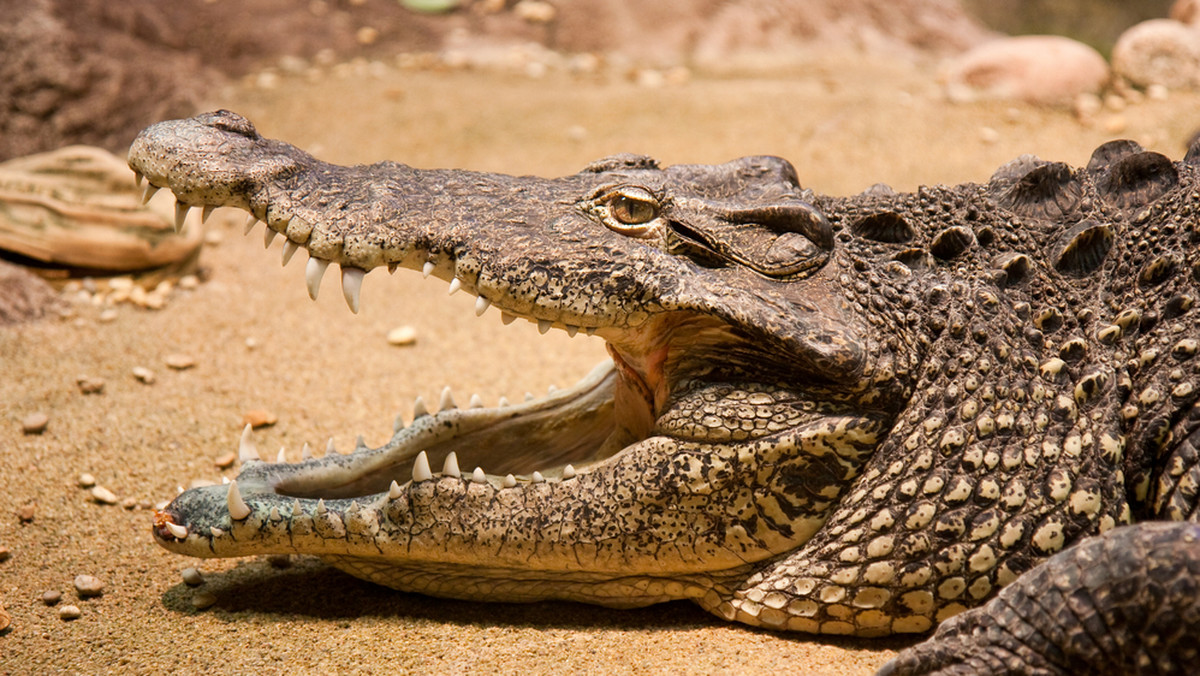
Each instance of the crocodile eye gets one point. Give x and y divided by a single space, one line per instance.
633 206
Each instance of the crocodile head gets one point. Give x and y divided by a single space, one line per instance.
741 399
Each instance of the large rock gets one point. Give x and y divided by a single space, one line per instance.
1041 69
1159 52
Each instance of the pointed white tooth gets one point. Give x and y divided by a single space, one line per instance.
206 212
476 402
321 508
591 330
544 325
552 389
481 306
427 269
237 506
180 532
455 285
506 318
537 477
306 452
251 221
281 459
478 476
447 402
503 403
352 286
268 237
572 330
529 396
330 449
181 212
392 268
137 178
225 480
450 466
568 472
359 443
509 481
419 409
398 423
314 270
295 507
421 471
289 249
149 192
394 491
216 532
274 515
246 449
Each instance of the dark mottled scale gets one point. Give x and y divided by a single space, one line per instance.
1048 191
1178 305
917 259
1108 153
1138 179
1157 271
883 226
1084 248
1015 266
952 242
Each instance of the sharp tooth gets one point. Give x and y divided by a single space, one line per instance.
392 268
568 472
313 272
509 481
149 192
251 221
537 477
503 403
421 471
506 318
274 515
306 452
591 330
321 508
419 409
455 285
447 402
225 480
394 491
529 396
475 402
181 212
481 306
359 444
137 178
572 330
180 532
398 423
330 449
551 390
246 449
206 212
544 325
281 459
450 466
478 476
216 532
237 506
352 286
289 249
427 269
268 236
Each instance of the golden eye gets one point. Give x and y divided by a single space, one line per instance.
633 206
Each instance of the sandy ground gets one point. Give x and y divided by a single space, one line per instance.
325 372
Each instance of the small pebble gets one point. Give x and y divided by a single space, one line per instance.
25 512
143 374
86 480
203 599
402 335
179 362
51 597
35 423
88 586
104 496
257 418
251 343
225 461
5 618
129 503
189 282
69 612
192 577
5 554
108 315
90 385
280 561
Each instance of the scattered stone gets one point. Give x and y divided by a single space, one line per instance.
5 554
51 597
280 561
129 504
225 461
86 480
402 335
179 362
35 423
143 374
1115 124
1157 92
258 417
203 599
5 618
1159 51
104 496
1041 69
189 282
90 385
25 512
535 11
366 35
201 483
108 315
88 586
251 343
69 612
988 135
192 577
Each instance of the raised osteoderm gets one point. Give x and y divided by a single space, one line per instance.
855 415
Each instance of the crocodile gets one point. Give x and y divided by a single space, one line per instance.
861 415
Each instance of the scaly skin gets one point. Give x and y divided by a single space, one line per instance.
852 415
